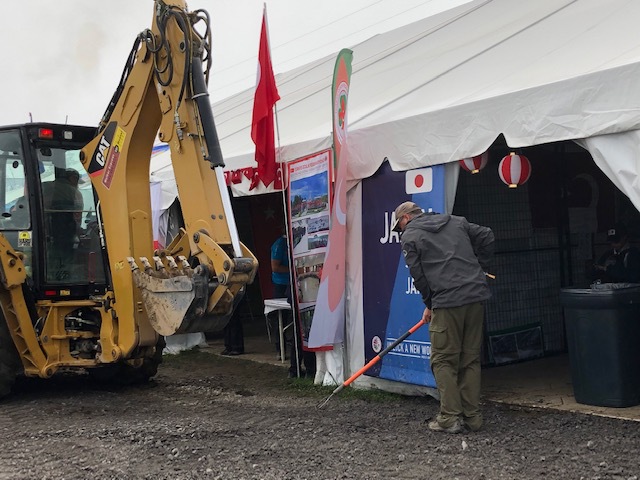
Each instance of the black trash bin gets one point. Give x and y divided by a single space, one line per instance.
603 336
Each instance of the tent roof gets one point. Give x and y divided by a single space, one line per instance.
445 87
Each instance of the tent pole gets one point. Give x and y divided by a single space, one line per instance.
294 312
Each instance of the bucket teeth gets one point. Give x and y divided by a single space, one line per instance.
173 266
183 261
147 266
161 270
133 264
159 264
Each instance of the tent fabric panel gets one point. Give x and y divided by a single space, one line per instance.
445 87
595 104
618 156
477 52
496 50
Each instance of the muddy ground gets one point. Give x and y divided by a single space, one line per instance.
213 417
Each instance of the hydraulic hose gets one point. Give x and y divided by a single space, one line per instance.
201 96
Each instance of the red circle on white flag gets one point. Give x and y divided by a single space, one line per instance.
418 181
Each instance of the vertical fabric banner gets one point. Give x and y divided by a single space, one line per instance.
327 327
391 303
265 97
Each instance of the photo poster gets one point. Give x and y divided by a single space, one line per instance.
309 222
392 305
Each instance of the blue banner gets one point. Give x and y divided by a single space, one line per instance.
392 305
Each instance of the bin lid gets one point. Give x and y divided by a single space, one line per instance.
603 295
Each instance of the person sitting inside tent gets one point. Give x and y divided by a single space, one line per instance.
622 262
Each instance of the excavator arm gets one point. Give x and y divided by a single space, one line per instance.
194 284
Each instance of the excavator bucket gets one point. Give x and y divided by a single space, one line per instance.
179 299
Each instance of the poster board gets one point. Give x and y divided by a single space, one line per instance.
309 205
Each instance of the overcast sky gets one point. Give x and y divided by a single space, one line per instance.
61 60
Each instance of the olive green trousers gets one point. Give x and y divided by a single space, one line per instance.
456 339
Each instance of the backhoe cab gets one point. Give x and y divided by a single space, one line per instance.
80 284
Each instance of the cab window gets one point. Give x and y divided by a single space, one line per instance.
73 254
15 218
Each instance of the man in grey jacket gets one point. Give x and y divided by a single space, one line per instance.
447 257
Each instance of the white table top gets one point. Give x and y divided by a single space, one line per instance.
273 304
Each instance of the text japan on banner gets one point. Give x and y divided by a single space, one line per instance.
265 97
327 327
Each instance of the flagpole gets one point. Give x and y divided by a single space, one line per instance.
294 312
275 106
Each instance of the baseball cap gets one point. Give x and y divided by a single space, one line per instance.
616 233
404 209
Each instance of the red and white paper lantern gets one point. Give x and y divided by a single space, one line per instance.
514 170
475 164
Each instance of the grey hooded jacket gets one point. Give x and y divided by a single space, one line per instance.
448 257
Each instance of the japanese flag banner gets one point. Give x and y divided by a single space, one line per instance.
419 181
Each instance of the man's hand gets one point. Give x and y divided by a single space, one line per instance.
426 316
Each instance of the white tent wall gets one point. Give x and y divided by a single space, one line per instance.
618 156
156 208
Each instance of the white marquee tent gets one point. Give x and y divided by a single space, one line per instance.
447 86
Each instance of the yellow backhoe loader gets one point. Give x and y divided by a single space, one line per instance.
81 286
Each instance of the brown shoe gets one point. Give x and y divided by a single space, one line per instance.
473 424
436 427
470 428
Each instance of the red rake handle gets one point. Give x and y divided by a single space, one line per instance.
377 358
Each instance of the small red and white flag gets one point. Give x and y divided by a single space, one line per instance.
419 181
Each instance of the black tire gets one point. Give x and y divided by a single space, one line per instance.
125 374
106 374
134 376
9 359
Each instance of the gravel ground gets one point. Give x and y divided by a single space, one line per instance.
212 417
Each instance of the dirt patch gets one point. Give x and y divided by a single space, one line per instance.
212 417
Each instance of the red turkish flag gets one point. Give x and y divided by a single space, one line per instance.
248 172
265 97
236 176
279 180
255 181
